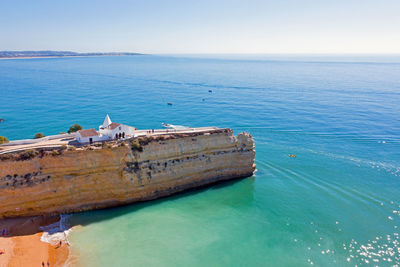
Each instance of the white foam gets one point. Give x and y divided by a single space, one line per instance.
56 232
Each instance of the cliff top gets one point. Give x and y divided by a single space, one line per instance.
56 146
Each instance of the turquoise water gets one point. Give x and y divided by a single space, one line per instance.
336 204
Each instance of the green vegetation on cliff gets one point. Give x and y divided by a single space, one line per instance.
39 135
3 140
74 128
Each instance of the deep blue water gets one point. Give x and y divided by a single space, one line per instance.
336 203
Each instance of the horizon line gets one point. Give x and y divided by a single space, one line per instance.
212 53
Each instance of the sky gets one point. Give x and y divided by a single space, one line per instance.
202 26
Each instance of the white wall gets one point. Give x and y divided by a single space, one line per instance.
87 139
128 130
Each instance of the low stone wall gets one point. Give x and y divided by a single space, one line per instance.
34 141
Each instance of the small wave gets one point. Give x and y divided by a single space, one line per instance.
56 232
388 167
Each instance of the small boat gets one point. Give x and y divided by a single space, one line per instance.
171 126
210 91
292 155
169 104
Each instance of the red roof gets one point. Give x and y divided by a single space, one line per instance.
114 125
88 132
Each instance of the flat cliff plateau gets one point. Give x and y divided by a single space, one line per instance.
144 168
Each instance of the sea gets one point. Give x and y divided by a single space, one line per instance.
337 203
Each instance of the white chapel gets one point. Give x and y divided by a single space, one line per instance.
107 131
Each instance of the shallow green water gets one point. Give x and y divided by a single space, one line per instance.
336 203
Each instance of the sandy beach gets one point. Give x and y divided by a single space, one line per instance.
21 245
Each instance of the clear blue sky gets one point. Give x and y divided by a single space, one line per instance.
202 26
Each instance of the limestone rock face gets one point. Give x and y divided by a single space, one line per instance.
145 168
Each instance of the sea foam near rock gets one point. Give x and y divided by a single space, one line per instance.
56 232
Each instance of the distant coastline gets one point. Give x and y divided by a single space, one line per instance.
58 54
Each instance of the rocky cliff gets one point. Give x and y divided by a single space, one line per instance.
144 168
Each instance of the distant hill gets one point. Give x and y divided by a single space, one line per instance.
17 54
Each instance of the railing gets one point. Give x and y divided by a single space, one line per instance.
24 148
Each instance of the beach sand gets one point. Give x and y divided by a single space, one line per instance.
7 248
23 247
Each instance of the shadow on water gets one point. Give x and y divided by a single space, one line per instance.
31 225
94 216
